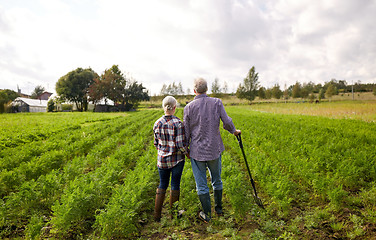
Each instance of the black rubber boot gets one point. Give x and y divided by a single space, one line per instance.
205 215
218 202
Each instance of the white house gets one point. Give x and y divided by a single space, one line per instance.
30 105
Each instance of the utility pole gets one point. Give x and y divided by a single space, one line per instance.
352 89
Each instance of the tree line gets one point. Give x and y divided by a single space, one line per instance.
250 88
82 86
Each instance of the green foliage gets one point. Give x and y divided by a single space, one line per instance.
172 89
276 92
330 91
51 105
297 90
6 96
261 93
248 89
216 88
114 85
38 90
74 86
321 94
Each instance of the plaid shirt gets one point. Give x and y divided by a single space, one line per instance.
169 139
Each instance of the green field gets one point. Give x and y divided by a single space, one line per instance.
94 175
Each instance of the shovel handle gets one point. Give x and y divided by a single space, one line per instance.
258 200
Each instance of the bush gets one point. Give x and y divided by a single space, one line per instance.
66 107
50 105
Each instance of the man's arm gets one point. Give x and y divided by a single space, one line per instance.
227 121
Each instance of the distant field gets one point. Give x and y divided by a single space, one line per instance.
229 100
361 110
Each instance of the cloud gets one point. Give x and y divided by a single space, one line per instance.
159 42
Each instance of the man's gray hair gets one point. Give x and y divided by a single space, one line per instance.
200 85
168 103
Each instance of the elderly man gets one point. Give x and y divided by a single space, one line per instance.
201 121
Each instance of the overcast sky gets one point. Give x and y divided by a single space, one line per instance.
162 41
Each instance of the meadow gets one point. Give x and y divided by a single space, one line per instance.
93 175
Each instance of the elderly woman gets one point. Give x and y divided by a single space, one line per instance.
169 139
201 121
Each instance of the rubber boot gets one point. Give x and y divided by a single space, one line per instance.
159 199
174 197
218 202
205 215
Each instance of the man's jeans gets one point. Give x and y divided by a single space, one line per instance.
176 172
199 172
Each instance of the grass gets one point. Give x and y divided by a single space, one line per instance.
360 110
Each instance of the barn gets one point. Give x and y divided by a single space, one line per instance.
29 105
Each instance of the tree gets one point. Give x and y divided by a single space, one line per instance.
308 88
296 90
74 86
276 92
216 88
268 93
134 94
261 93
225 87
286 94
98 90
115 84
164 90
38 90
172 89
250 86
321 94
50 105
6 96
330 91
180 89
304 93
374 90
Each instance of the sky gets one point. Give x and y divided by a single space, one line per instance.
158 42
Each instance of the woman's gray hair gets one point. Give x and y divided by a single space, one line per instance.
168 103
200 85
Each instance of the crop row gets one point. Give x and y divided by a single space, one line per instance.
18 129
297 157
37 158
81 184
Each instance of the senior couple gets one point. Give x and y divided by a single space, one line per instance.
199 139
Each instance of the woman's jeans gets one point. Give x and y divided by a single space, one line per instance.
199 172
176 172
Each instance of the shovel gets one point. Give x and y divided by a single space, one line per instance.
257 199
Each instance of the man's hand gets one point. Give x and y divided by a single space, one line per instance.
237 132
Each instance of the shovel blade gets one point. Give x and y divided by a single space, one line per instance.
258 202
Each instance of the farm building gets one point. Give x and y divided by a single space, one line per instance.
29 105
44 96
